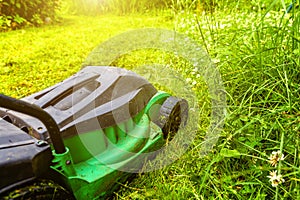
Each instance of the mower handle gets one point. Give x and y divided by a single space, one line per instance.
37 112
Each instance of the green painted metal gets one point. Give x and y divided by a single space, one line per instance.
90 165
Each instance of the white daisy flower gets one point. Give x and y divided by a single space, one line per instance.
275 179
275 157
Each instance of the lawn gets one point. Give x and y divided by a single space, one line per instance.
257 52
35 58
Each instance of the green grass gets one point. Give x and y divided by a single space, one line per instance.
258 54
35 58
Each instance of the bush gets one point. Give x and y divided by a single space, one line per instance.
17 13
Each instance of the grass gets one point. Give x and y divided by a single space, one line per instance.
258 54
35 58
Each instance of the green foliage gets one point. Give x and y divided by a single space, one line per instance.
257 51
199 6
17 13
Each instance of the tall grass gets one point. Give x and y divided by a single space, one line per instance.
256 48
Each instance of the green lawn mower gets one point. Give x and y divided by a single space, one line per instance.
80 138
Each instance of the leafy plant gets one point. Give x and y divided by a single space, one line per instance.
15 14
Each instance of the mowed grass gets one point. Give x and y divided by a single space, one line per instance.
36 58
258 55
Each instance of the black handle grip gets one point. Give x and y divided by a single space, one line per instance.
37 112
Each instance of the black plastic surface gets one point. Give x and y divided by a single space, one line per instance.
173 115
95 97
34 111
20 158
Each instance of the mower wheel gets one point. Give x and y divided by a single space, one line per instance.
39 190
173 115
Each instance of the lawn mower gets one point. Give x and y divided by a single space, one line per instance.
83 136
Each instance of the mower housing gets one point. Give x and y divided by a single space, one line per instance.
107 119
